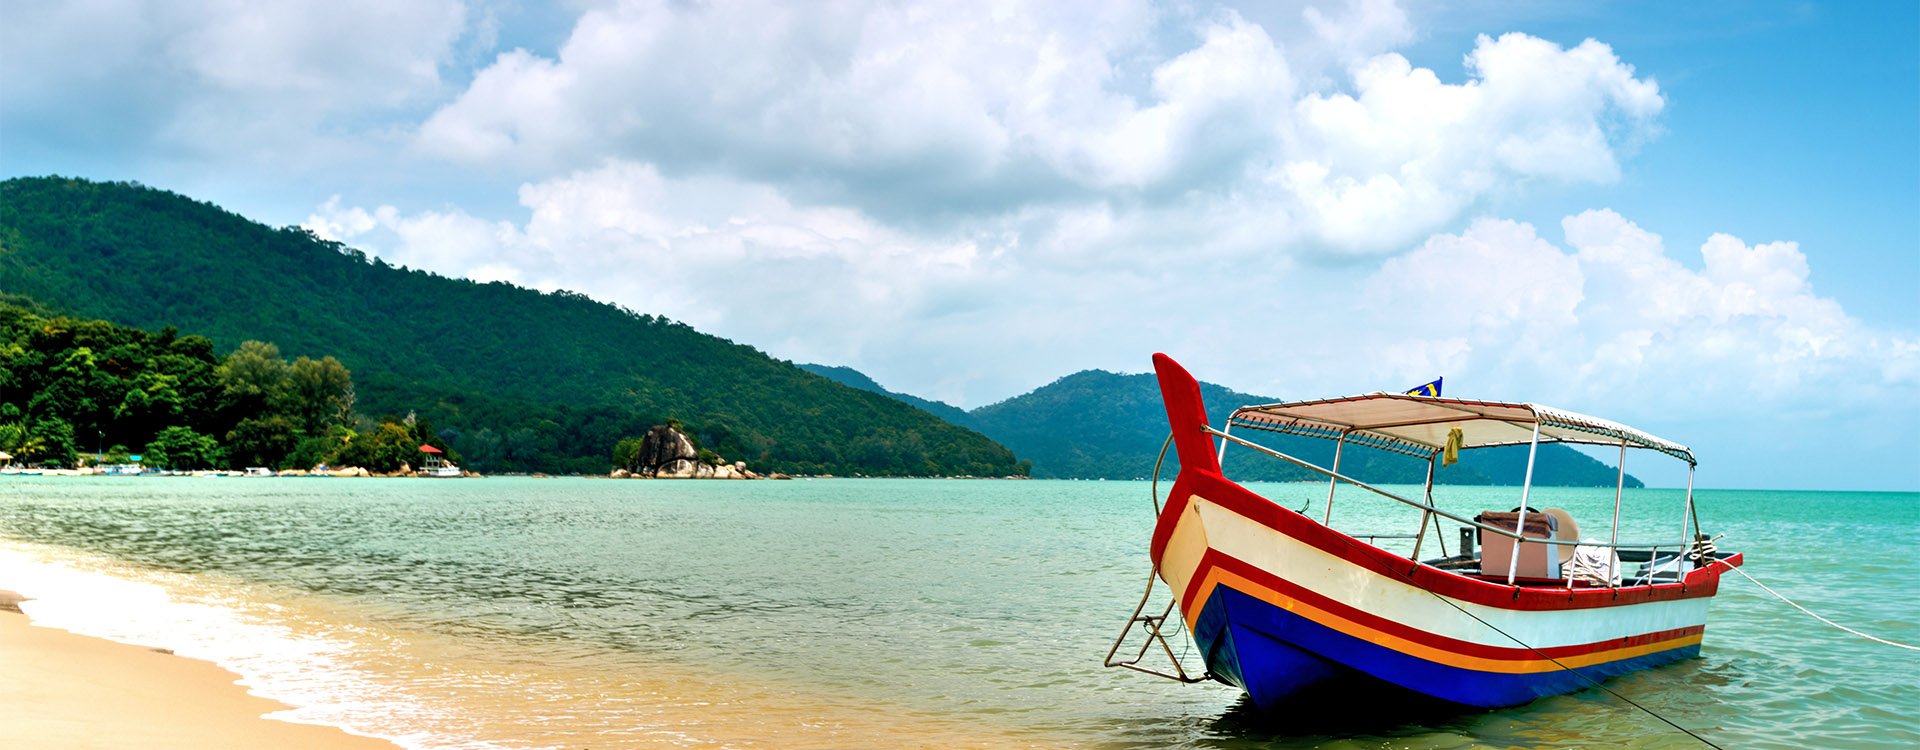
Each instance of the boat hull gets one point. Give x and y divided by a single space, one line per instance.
1281 605
1276 655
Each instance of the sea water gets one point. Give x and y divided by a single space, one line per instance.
521 612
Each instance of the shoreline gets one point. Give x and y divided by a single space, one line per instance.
76 691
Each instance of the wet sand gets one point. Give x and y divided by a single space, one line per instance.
70 691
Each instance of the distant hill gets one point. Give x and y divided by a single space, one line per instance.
1101 425
852 378
515 379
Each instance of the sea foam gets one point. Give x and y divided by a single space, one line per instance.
307 664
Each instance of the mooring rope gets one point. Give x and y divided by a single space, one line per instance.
1155 490
1408 575
1814 615
1155 487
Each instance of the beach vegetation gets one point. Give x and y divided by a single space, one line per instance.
625 450
70 388
181 448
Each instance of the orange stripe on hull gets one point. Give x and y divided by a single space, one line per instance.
1217 577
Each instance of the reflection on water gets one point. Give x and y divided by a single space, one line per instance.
520 612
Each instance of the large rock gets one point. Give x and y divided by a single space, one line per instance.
664 452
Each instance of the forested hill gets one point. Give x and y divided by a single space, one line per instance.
515 379
852 378
1100 425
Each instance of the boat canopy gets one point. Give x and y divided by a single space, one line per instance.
1419 425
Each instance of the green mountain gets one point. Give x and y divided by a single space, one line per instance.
852 378
515 379
1100 425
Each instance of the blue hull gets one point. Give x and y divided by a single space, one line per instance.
1276 655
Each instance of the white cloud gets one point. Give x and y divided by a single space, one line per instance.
1367 28
1618 320
967 201
1501 311
886 180
918 113
330 51
1405 152
257 81
719 254
1497 281
335 222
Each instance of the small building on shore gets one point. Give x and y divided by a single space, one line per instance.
436 464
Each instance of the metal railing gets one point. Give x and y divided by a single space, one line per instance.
1155 626
1429 511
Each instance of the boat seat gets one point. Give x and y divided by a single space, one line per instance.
1536 560
1566 530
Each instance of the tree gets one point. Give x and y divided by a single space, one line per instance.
625 450
262 441
255 376
319 394
383 448
16 439
50 440
182 448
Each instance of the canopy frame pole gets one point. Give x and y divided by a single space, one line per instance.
1619 487
1222 458
1333 482
1455 517
1526 492
1686 516
1426 516
1697 533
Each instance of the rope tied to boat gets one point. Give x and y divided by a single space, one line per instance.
1814 615
1407 574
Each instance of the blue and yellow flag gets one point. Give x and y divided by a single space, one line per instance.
1430 389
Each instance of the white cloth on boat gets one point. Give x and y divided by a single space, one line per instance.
1593 564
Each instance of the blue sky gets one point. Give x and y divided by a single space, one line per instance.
1701 219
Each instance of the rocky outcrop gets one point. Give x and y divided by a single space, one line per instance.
662 450
698 470
667 453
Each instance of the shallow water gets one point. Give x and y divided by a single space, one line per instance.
513 612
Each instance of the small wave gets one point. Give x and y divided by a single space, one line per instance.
308 665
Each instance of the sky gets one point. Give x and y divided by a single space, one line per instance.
1699 219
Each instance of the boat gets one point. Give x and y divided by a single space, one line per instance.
436 465
1288 608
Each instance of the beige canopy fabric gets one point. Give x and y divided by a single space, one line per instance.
1418 425
5 456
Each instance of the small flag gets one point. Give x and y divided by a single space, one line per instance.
1430 389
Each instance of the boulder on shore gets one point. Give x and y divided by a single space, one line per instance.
664 451
667 453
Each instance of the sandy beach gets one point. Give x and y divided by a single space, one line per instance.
70 691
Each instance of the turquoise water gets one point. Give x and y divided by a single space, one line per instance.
512 612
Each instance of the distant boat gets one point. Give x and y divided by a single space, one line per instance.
436 465
258 471
1286 606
